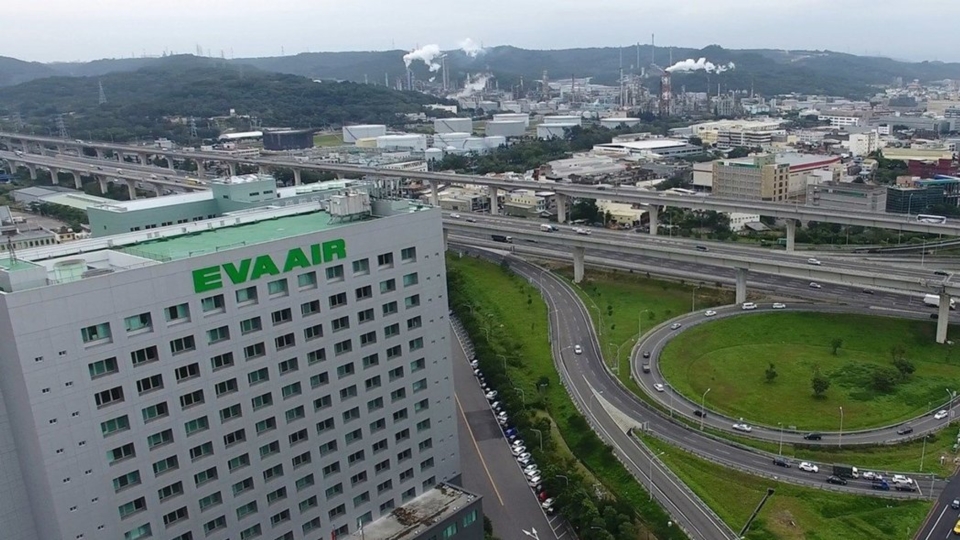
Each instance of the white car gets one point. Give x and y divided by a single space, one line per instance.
547 503
658 387
742 427
534 480
582 231
474 363
517 442
455 216
901 479
779 305
675 326
748 306
870 475
941 414
806 466
815 285
517 450
531 467
491 395
813 261
531 473
577 349
525 458
709 313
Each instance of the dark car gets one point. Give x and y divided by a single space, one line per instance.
702 248
646 354
781 462
955 504
836 480
699 413
867 291
941 273
813 436
905 430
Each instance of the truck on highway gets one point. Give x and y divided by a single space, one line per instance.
882 485
845 471
934 300
903 483
502 238
546 227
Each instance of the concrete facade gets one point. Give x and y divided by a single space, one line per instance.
139 400
758 178
848 196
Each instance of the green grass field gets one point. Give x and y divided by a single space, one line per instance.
730 357
792 512
327 139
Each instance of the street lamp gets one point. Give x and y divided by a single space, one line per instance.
840 438
650 476
703 411
504 362
540 434
952 394
565 479
781 437
693 303
523 397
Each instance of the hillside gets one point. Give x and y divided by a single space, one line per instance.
147 102
766 71
13 71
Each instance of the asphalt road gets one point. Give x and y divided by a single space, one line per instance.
489 467
942 518
590 377
655 341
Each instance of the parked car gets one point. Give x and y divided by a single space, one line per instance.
779 305
517 442
534 481
836 480
740 426
955 504
806 466
524 458
532 472
658 387
941 414
781 462
547 503
491 395
542 496
517 450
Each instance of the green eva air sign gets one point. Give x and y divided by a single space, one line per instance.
211 278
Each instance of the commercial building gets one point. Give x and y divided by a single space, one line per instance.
847 196
758 178
807 169
650 148
16 235
730 133
913 200
285 372
739 220
840 119
445 512
864 143
287 139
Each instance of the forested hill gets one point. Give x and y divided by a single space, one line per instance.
142 103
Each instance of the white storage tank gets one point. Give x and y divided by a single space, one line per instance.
506 128
495 141
363 131
433 154
617 122
562 119
474 144
553 131
442 140
406 141
524 117
453 125
488 106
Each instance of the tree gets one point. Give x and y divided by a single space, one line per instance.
904 366
738 152
884 379
897 351
835 344
771 373
819 382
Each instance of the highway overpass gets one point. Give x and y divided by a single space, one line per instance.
566 192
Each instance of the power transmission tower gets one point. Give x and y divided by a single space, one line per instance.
103 97
61 127
18 122
193 128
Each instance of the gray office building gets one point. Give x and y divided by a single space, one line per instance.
283 373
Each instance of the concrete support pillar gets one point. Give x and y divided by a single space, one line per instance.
434 193
654 213
791 234
741 285
446 233
102 180
144 159
562 201
77 181
943 317
577 264
169 162
132 189
233 169
494 201
61 149
340 176
297 177
54 175
200 167
99 153
32 169
158 189
119 155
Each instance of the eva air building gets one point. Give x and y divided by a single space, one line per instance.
279 371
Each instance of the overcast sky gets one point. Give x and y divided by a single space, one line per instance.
66 30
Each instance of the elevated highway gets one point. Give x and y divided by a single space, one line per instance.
654 200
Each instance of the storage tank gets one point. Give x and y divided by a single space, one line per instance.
363 131
474 144
406 141
488 106
553 131
453 125
617 122
495 141
69 270
506 128
442 140
367 142
433 154
562 119
513 117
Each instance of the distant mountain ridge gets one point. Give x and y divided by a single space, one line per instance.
765 71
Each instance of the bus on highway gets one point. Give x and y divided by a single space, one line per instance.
928 218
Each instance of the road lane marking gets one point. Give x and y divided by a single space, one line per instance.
479 453
934 528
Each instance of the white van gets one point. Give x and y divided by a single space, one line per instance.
748 306
547 227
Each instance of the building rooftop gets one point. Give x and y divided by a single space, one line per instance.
418 515
155 202
241 135
651 145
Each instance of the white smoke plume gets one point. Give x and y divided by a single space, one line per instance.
471 48
475 83
426 54
700 64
